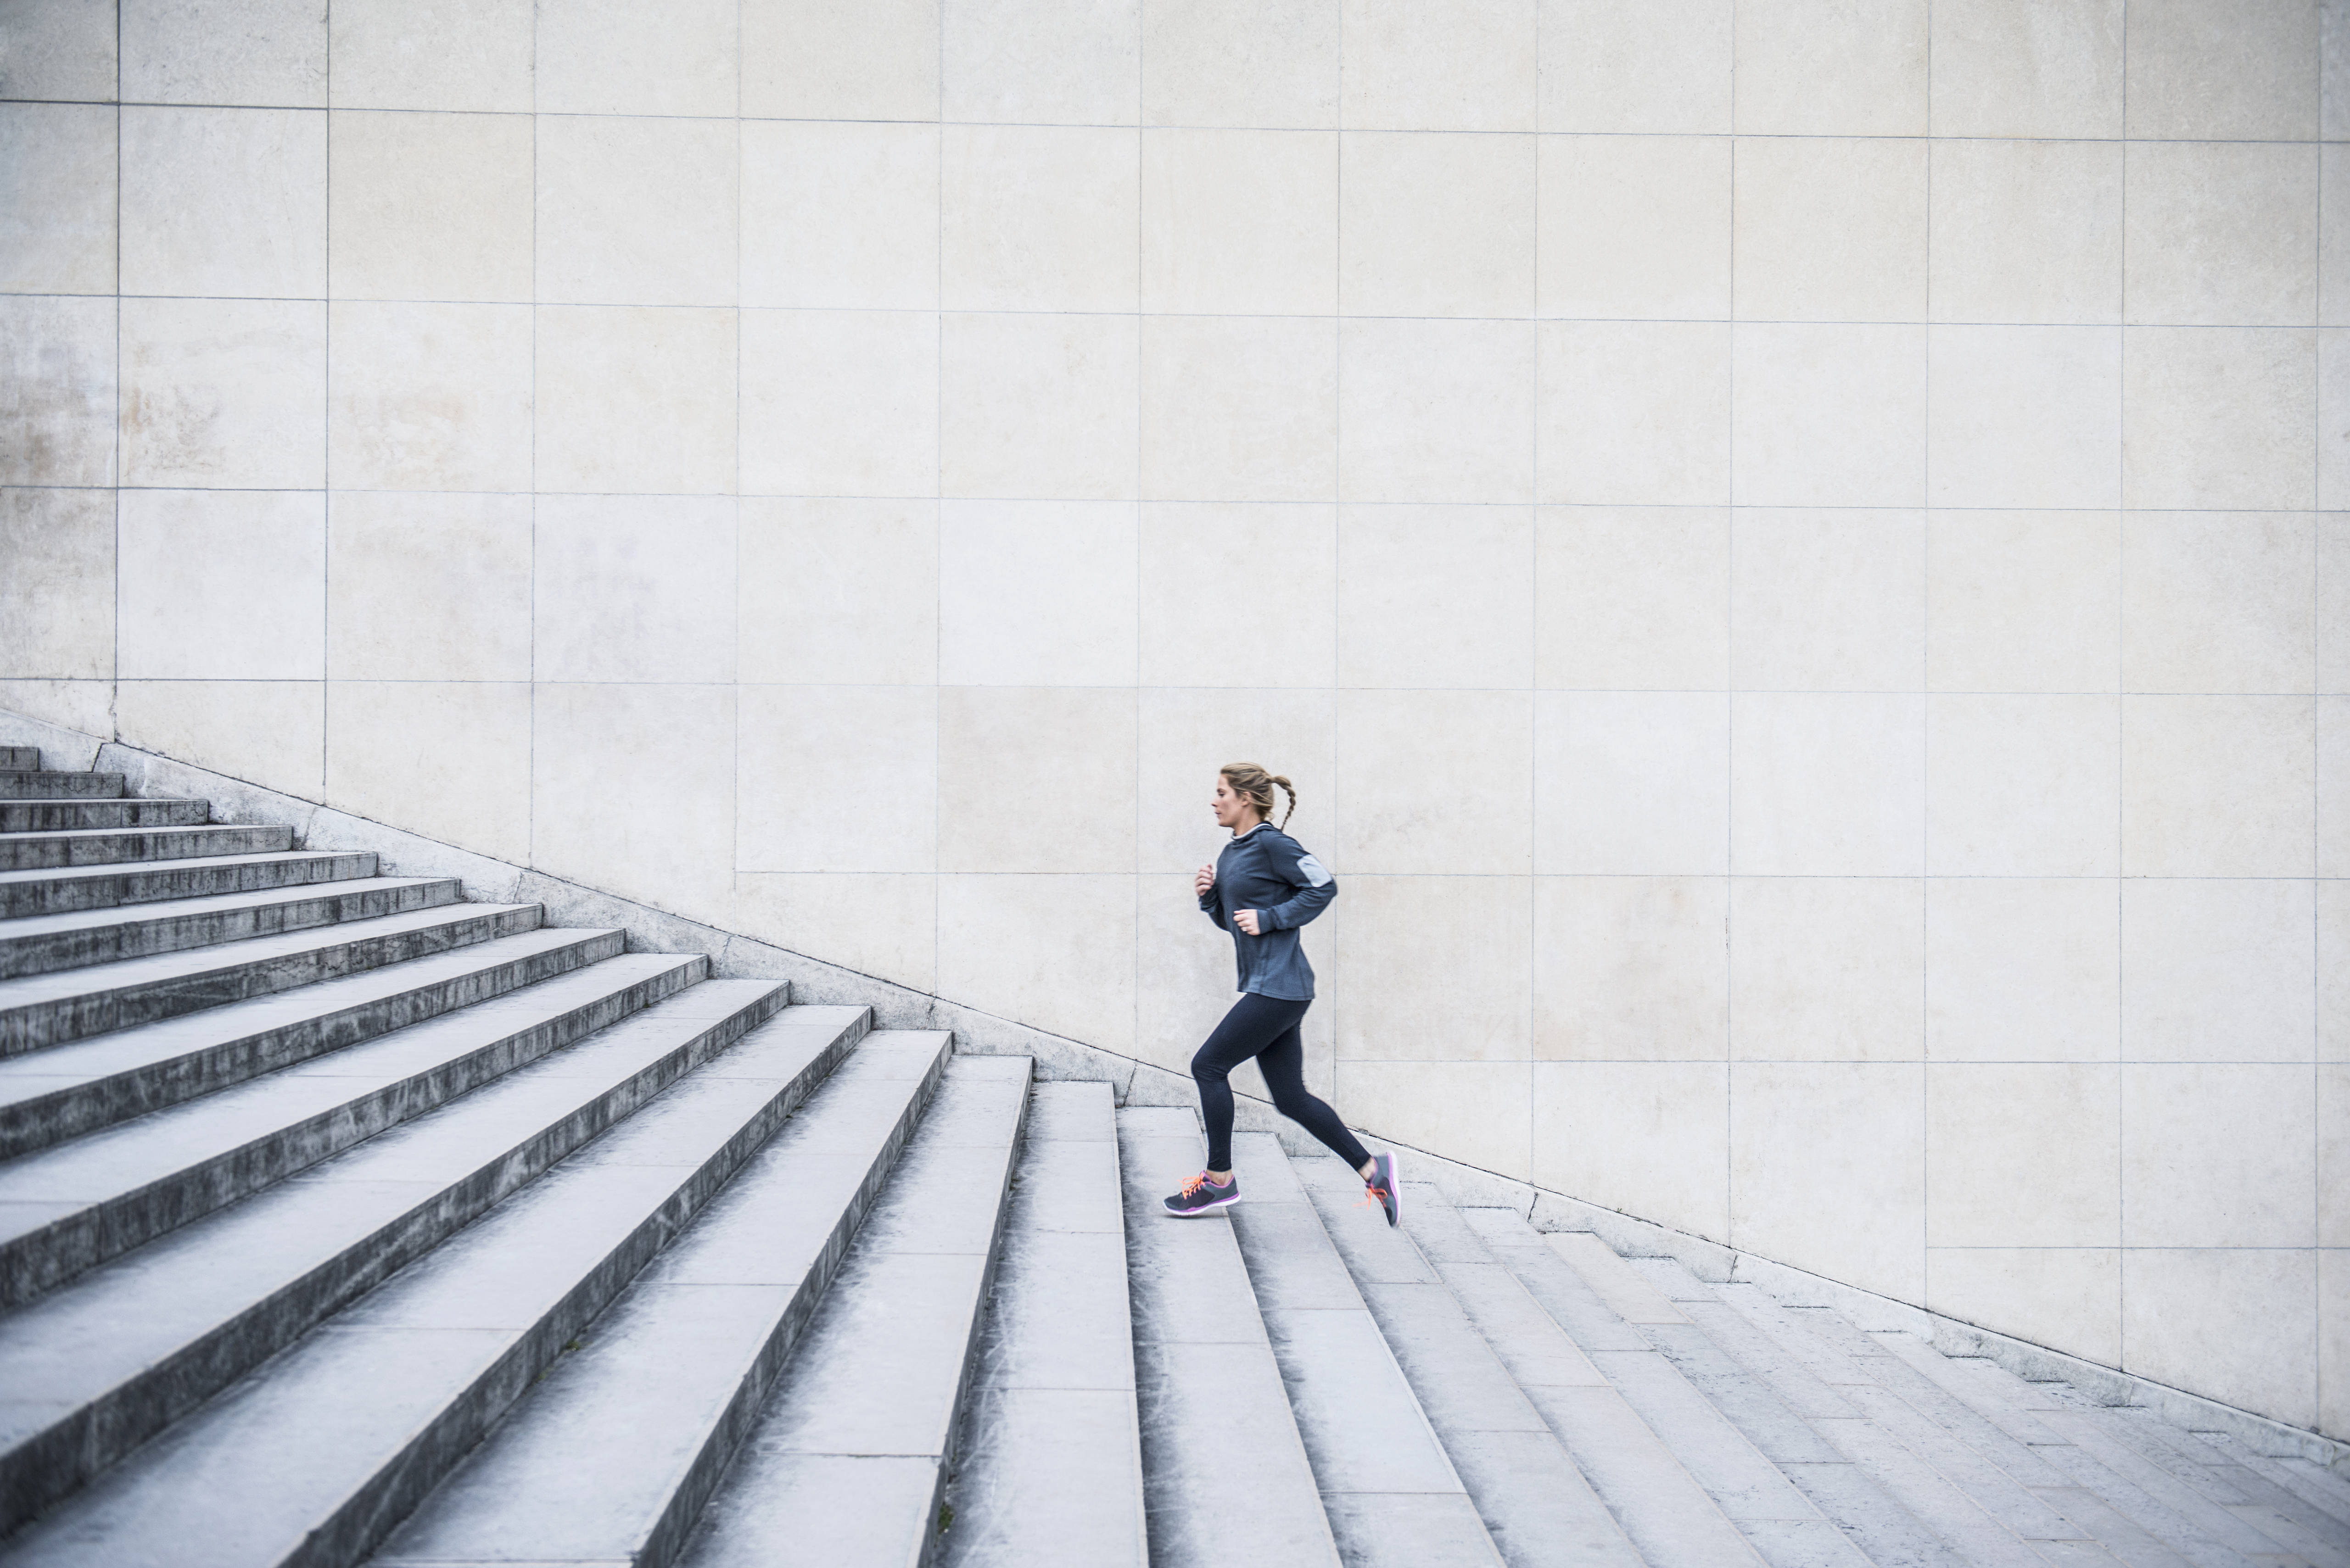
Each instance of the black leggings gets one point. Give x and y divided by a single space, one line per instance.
1264 1027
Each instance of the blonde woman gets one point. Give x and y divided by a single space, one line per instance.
1262 889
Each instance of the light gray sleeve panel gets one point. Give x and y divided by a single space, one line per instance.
1313 871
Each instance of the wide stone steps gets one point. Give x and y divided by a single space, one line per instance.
114 845
69 815
58 892
46 943
33 783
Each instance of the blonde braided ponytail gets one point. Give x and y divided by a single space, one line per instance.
1255 786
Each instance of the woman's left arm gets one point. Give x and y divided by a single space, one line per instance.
1316 888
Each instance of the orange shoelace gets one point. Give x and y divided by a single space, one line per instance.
1196 1183
1374 1198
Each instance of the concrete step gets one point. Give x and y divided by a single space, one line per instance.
613 1456
72 1207
64 1090
69 815
1050 1461
114 845
98 1366
37 784
45 944
61 891
1535 1504
20 759
53 1009
2313 1496
1207 1386
849 1455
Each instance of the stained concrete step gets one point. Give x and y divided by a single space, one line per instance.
72 1207
74 1005
1536 1506
60 891
45 944
64 1090
104 1362
1207 1383
114 845
38 783
20 759
70 815
1049 1472
318 1454
612 1458
2313 1496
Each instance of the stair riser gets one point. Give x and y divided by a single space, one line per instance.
52 854
140 938
62 1457
72 815
68 1018
32 784
42 1260
37 1123
20 759
154 885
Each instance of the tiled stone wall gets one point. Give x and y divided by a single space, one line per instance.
1783 542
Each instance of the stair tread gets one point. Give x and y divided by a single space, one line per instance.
55 944
43 873
165 909
118 845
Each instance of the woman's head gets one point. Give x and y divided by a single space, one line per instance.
1245 790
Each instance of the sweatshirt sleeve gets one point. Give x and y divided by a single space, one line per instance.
1211 904
1315 886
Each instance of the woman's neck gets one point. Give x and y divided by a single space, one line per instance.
1248 827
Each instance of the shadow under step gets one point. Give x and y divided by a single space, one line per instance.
46 944
40 783
63 891
70 815
115 846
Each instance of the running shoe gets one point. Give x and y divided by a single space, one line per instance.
1386 1184
1199 1195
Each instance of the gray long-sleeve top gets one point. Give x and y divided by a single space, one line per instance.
1266 870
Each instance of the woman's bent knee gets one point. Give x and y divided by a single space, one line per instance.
1206 1069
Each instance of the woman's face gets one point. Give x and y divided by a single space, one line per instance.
1233 811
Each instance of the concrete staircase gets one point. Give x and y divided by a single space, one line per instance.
342 1220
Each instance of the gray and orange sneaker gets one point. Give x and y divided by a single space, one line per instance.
1386 1185
1199 1195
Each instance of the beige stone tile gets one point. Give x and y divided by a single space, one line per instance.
2334 786
2218 786
2333 603
1632 783
2218 1156
2024 1155
632 819
2024 787
57 598
2019 970
1240 221
839 592
1240 62
676 554
2068 1298
2026 68
1183 980
884 926
2023 416
84 705
1432 970
2221 235
2217 970
839 402
2218 602
1831 229
2026 231
2333 971
1435 783
2216 418
2333 235
1436 224
1827 783
1634 412
447 760
1831 67
636 398
1041 62
1828 969
2223 69
1039 406
2334 1155
225 52
1436 596
1647 1138
840 215
1634 226
59 52
1000 743
637 210
1632 598
56 390
429 397
1664 67
1239 595
1037 593
610 57
1466 67
431 53
224 392
1436 411
2230 1323
2023 601
1631 968
268 733
396 612
1828 415
1827 601
836 778
1828 1169
822 59
2333 1338
1187 735
1239 409
1039 217
224 201
57 197
1056 953
1474 1112
2333 418
429 206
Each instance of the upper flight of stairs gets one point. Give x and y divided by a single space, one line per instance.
342 1220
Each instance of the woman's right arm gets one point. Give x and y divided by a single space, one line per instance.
1204 881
